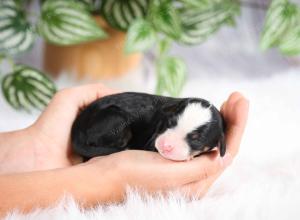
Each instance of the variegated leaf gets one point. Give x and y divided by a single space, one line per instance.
27 88
199 23
171 75
199 3
165 18
164 45
290 43
91 5
121 13
16 34
67 23
281 16
140 36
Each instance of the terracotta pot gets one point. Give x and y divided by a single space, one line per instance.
103 59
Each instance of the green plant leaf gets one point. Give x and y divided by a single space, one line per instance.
164 45
27 88
171 75
231 21
16 34
91 5
281 16
165 18
121 13
290 44
140 37
198 3
199 23
68 23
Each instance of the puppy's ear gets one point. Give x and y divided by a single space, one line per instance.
222 142
174 107
222 145
169 109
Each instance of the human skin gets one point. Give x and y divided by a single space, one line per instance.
37 162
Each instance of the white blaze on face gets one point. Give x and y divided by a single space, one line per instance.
172 144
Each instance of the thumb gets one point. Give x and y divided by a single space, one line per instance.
66 104
199 168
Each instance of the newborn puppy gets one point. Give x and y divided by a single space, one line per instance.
178 128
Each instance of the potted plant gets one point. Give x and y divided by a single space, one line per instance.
148 24
96 59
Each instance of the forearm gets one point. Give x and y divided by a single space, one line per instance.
40 189
16 146
9 140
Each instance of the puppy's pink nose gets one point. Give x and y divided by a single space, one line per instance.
166 148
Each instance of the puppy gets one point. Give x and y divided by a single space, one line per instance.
178 128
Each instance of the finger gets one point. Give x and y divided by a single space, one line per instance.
83 95
235 96
198 189
235 130
177 173
66 104
86 94
197 169
192 190
223 108
230 103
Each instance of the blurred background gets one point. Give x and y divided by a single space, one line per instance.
230 59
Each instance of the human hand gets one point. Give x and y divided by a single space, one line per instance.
151 172
53 127
46 144
142 169
51 147
235 112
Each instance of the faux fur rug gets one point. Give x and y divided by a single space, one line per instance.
262 183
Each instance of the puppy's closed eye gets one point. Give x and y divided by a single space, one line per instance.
195 136
172 122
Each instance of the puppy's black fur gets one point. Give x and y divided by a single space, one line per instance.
133 121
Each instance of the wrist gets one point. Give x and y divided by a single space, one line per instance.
15 147
97 182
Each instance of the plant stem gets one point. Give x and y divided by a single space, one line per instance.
33 14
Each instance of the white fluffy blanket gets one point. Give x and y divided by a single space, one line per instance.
262 183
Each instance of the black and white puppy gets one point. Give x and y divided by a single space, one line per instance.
178 128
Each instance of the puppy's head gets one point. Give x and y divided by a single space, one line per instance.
193 127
